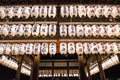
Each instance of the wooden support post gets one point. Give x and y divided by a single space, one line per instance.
52 70
102 74
82 73
67 70
35 68
20 61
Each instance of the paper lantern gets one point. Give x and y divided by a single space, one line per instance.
95 30
44 49
35 11
27 30
86 47
35 30
44 30
98 11
12 30
15 50
63 48
107 11
22 49
73 11
52 30
81 11
94 48
36 48
90 11
2 12
117 30
101 48
64 11
63 30
26 12
52 11
79 48
71 48
18 11
110 31
10 12
29 48
19 30
43 11
108 48
52 48
114 12
87 31
79 31
103 31
71 31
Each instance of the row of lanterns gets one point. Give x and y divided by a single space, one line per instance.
65 11
43 30
90 11
58 73
28 30
10 63
106 64
26 11
51 48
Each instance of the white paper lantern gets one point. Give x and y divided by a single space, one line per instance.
71 31
52 11
114 12
98 11
43 11
35 11
44 49
27 30
63 30
15 48
79 48
110 31
90 11
35 30
71 48
117 30
52 48
36 48
12 30
18 11
26 12
1 49
2 12
19 30
81 11
10 12
63 48
73 11
94 48
103 31
7 49
22 49
95 30
101 48
108 48
5 30
88 31
107 11
29 48
52 30
116 48
44 30
86 47
80 31
64 11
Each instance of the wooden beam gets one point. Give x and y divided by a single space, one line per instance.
52 70
67 70
88 71
82 75
20 61
35 69
102 74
